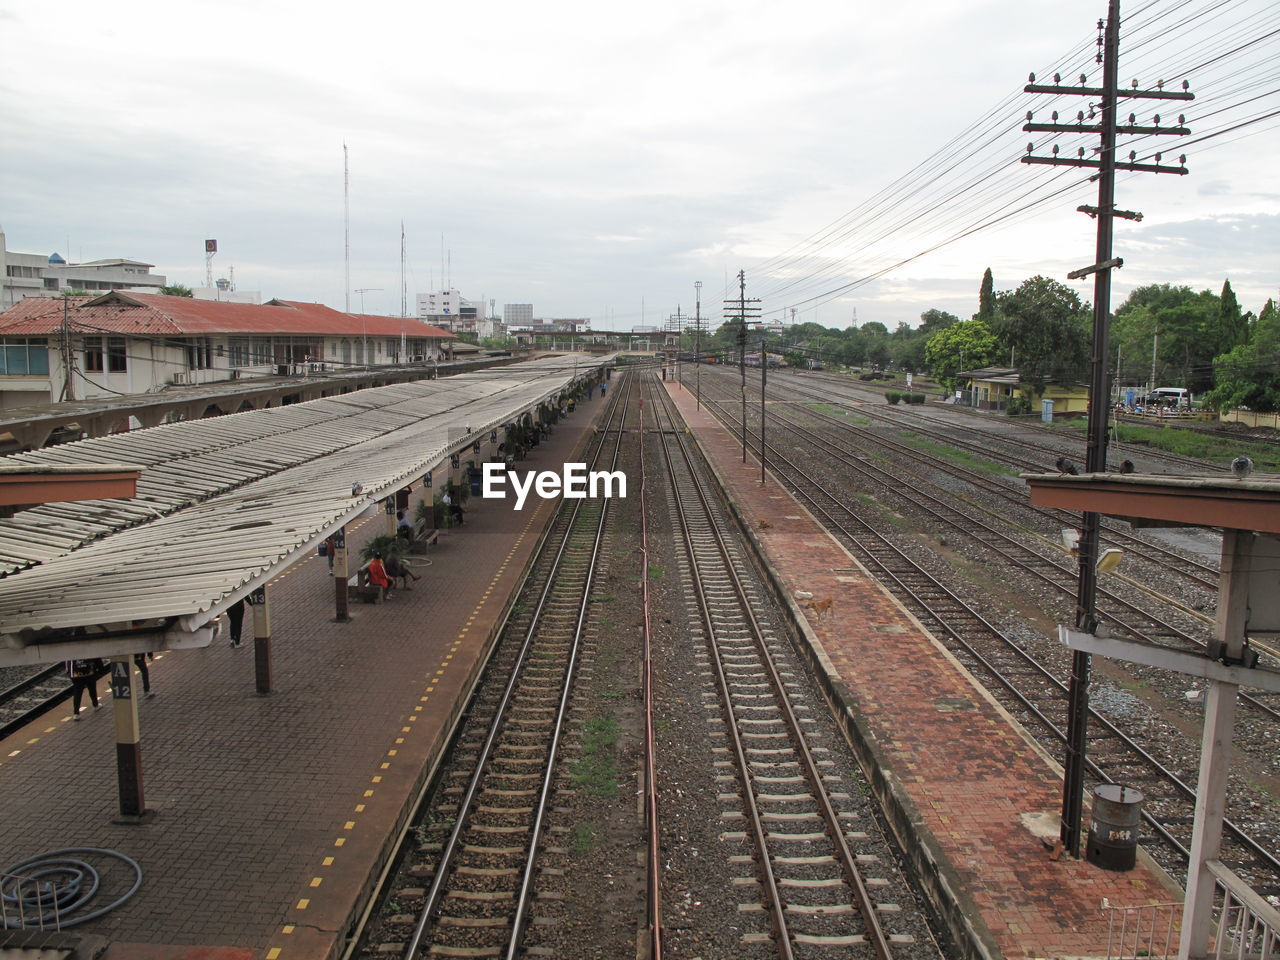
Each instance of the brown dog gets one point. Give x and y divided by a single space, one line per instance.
820 607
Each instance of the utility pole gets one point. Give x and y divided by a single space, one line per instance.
697 343
68 385
742 308
1096 453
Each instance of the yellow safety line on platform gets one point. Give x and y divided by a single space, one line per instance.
276 951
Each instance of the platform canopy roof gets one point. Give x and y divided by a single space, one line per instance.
1249 503
227 503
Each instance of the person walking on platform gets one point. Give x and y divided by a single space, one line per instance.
84 676
378 576
404 528
140 661
604 388
235 614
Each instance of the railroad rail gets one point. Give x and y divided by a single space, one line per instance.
1036 690
482 838
810 881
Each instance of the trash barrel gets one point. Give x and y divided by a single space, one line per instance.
1113 833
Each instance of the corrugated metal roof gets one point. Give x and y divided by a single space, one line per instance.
224 504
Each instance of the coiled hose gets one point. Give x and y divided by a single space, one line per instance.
46 891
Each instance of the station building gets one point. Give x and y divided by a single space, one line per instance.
991 388
58 348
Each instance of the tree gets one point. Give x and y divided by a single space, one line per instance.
176 290
1249 375
1233 326
1047 327
986 298
966 345
931 321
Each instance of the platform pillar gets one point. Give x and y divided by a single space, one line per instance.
124 707
261 603
341 612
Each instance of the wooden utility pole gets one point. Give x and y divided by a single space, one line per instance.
1096 453
741 309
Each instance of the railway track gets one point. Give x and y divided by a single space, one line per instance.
31 698
1036 693
810 847
486 850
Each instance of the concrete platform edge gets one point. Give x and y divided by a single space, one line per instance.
940 882
365 901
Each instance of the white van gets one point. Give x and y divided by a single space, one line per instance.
1170 396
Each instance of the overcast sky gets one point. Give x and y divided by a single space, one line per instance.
598 159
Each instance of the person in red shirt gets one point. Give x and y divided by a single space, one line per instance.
378 576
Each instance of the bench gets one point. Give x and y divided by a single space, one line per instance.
422 537
359 587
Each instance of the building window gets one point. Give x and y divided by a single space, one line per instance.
239 352
117 355
199 354
93 354
24 357
262 351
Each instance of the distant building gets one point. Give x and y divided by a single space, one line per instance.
517 314
125 342
449 311
41 275
224 291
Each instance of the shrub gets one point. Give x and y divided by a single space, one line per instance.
1018 406
915 398
893 396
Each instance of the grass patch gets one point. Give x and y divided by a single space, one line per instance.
961 457
582 839
596 771
831 411
655 572
602 597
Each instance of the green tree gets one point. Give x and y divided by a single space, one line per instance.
1249 374
1047 328
1233 326
966 345
176 290
931 321
986 298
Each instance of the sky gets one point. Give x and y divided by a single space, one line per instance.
597 160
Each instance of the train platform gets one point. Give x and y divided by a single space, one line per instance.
269 814
977 799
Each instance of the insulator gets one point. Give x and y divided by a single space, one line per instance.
1030 147
1157 119
1186 84
1079 151
1159 84
1133 155
1057 78
1083 79
1055 149
1080 116
1181 119
1133 118
1182 159
1055 116
1028 115
1134 84
1031 78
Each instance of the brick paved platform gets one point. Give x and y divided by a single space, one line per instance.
958 775
272 811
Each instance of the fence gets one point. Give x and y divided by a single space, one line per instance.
1251 419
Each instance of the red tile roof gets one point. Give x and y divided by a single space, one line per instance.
149 314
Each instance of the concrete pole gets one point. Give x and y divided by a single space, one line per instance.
128 738
341 612
1215 747
261 601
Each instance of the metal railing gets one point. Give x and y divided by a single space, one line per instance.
28 903
1248 927
1149 930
